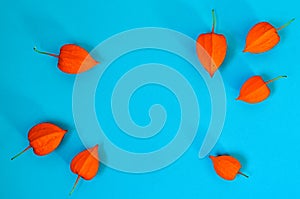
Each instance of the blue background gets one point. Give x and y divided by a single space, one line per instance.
264 137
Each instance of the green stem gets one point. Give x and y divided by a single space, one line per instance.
243 174
285 25
45 53
214 20
74 186
20 153
277 78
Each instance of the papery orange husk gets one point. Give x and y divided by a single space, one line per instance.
73 59
211 49
85 165
255 89
44 138
263 37
227 167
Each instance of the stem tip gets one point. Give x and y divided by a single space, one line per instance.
286 24
276 78
243 174
74 186
20 153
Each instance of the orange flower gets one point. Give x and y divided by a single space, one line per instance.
211 49
227 167
73 59
255 89
263 37
44 138
85 165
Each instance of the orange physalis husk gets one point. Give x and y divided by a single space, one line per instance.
227 167
255 89
85 165
73 59
44 138
211 49
263 37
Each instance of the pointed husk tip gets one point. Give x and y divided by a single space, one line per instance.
96 147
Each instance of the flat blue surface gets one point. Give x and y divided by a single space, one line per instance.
264 137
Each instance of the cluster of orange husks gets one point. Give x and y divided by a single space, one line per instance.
211 50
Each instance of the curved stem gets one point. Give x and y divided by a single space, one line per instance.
214 20
285 25
74 186
243 174
20 153
277 78
45 53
